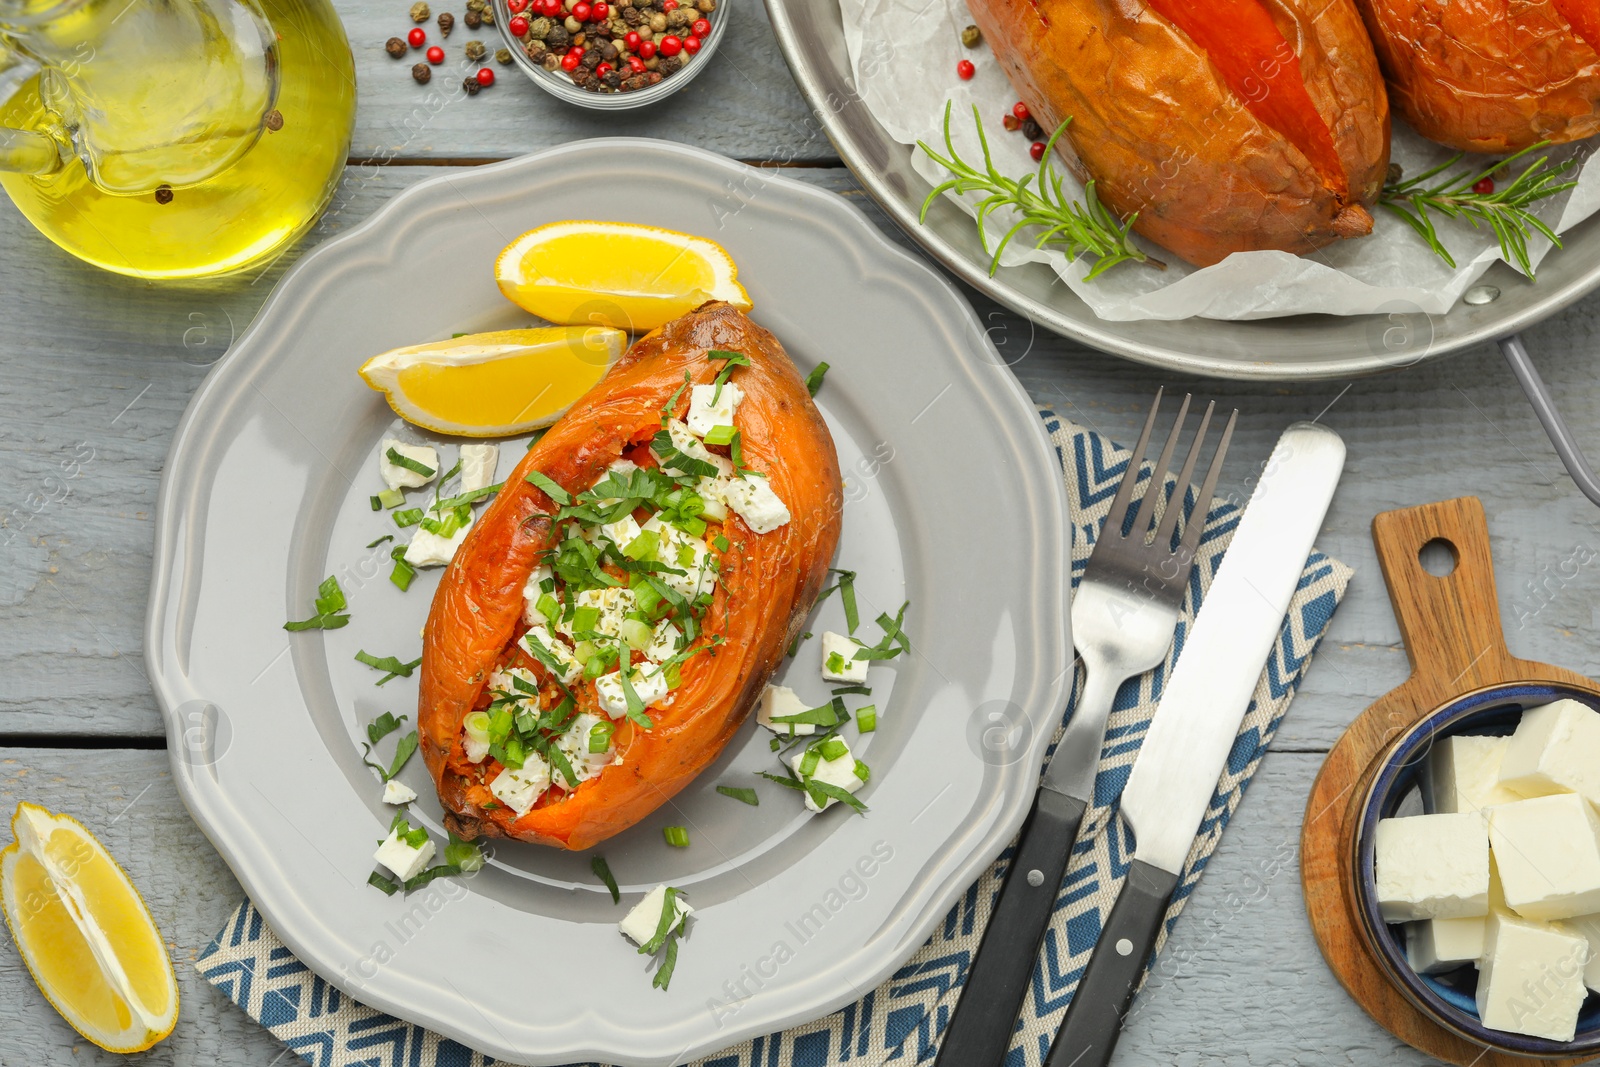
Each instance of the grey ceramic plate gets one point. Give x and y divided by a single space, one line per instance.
953 502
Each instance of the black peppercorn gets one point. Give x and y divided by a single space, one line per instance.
471 86
472 19
422 72
1031 130
447 22
273 120
671 64
559 39
395 47
163 194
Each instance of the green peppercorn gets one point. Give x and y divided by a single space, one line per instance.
972 37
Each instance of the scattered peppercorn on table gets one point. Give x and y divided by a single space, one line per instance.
97 370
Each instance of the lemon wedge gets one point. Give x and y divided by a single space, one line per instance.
84 932
615 274
493 384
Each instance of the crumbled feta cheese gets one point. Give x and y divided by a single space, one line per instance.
1464 773
500 681
781 700
838 659
622 466
398 793
398 477
1556 749
840 771
704 413
559 651
684 552
1547 851
519 789
1531 978
574 744
641 923
403 861
532 589
621 532
756 503
475 750
665 642
691 446
1433 867
478 463
649 683
712 495
430 550
613 603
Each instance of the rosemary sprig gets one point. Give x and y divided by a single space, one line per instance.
1086 228
1505 211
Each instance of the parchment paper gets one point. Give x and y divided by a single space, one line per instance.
904 54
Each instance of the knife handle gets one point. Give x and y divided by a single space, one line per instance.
986 1015
1094 1018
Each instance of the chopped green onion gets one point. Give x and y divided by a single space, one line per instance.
602 871
548 607
773 744
832 749
329 602
391 498
410 464
835 663
642 546
677 836
377 505
585 619
721 542
814 379
808 762
551 489
717 435
863 772
867 718
408 517
463 856
637 635
402 574
741 793
476 724
383 726
600 736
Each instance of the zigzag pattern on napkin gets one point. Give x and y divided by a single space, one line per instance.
900 1021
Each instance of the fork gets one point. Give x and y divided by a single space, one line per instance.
1124 614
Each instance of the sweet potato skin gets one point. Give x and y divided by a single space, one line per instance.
768 583
1487 76
1163 135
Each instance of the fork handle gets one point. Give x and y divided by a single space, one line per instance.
985 1018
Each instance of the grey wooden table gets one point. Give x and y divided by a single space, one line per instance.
96 369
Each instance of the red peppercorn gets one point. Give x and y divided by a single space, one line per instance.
485 77
417 37
669 5
517 7
602 69
965 70
1036 150
600 11
630 41
436 55
1483 185
519 26
691 45
571 60
581 11
647 49
701 27
670 45
636 64
1020 110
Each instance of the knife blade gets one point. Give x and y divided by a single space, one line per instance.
1187 744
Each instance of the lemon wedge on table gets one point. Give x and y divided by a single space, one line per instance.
615 274
85 934
494 384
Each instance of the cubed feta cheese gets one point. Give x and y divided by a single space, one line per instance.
574 744
642 921
430 550
665 642
395 792
613 603
519 789
781 700
403 861
1437 945
838 659
685 552
1432 867
559 650
1531 978
478 463
649 683
1588 928
1556 749
756 503
704 412
518 682
839 771
621 532
397 477
1547 851
532 590
1464 774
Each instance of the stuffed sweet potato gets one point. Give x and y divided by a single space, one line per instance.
1493 76
1228 125
638 531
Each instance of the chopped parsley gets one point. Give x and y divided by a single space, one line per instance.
740 793
602 871
330 603
402 753
383 726
389 664
550 488
410 464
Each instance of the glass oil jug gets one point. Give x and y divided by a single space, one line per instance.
173 138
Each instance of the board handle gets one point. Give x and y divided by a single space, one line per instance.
1450 623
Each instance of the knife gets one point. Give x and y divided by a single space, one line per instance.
1186 747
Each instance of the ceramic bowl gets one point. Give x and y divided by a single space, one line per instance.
559 85
1396 789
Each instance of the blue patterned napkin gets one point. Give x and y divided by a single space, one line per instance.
901 1020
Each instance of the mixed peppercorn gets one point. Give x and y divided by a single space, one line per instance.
612 47
478 13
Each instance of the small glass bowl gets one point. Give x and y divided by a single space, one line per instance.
559 85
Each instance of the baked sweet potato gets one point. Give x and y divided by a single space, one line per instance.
764 585
1493 76
1228 125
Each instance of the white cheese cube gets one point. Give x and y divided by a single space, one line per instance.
1464 774
754 500
397 477
1432 867
665 642
519 789
1588 928
684 552
1531 979
532 590
1556 749
574 744
397 793
478 463
781 700
649 683
705 413
642 921
839 771
403 861
621 532
613 603
838 659
1547 851
430 550
560 651
1437 945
